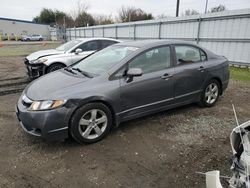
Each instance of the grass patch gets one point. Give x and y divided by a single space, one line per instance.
242 74
24 50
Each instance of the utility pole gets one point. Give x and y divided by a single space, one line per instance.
206 6
177 8
55 19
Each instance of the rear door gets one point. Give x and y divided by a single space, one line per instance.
190 72
152 90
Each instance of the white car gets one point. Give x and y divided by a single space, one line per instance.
33 37
45 61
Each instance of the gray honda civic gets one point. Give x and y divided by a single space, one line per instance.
122 82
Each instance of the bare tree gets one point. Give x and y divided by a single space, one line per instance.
190 12
127 14
103 19
78 9
162 16
219 8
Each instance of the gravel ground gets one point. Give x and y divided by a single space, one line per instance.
161 150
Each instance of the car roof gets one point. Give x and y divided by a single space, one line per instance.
152 43
97 38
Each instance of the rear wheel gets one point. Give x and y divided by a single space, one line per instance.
40 39
54 67
91 123
210 93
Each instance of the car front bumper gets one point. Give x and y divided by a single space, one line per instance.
34 70
50 124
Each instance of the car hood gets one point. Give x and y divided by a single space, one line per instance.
43 53
63 55
53 85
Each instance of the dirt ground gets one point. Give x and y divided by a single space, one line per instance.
162 150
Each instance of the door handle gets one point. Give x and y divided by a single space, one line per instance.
166 76
201 69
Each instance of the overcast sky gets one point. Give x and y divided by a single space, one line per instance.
28 9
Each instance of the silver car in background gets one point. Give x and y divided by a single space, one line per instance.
34 37
45 61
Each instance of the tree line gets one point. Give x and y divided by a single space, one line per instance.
80 16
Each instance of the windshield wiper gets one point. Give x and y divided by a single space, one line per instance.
69 70
83 72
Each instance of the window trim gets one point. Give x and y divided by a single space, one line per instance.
189 45
103 40
98 45
113 76
149 49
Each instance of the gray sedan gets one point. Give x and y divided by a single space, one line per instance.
120 83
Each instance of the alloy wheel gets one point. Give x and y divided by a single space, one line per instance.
211 93
92 124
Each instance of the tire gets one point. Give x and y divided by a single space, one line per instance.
84 126
40 39
210 93
27 39
54 67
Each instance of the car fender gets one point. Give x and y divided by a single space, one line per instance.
78 103
63 60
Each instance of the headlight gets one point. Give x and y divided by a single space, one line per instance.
39 61
46 105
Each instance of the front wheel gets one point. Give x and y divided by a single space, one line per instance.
91 123
54 67
210 93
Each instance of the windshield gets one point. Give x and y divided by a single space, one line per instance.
68 45
105 59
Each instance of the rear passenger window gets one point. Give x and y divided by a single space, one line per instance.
106 43
189 54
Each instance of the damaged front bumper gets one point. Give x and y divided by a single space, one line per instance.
34 70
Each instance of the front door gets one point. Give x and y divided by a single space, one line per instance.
152 90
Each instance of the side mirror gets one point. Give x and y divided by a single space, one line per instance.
134 72
78 50
131 73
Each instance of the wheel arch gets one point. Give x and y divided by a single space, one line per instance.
54 63
97 100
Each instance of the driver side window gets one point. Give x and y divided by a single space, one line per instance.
152 60
89 46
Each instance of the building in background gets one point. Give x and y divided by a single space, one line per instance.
13 29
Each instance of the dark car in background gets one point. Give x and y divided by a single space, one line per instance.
120 83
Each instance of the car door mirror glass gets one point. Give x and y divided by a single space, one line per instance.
78 50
